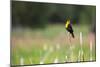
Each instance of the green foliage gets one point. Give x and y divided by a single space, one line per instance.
37 14
28 43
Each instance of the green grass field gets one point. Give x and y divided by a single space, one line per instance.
50 45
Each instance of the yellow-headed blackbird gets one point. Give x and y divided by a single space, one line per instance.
69 27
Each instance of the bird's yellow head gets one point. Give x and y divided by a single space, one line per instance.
67 23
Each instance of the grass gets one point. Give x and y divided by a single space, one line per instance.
28 43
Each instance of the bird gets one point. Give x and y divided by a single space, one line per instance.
69 28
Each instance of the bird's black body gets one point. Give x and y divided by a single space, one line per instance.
70 30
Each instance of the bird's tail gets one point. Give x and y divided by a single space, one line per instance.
72 34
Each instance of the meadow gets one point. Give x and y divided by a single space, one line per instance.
51 45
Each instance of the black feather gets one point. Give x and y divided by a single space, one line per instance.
70 29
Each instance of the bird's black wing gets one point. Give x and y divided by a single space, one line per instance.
70 29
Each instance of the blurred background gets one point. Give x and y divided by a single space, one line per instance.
40 14
38 27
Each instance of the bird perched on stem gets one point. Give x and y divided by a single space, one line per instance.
69 28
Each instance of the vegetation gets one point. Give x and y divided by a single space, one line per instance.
37 14
36 44
38 33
